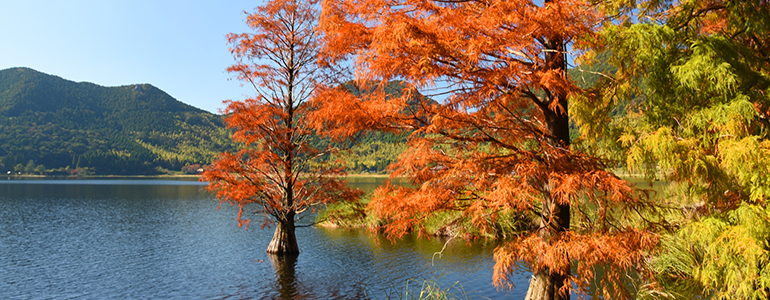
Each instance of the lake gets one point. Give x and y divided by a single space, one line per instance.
165 239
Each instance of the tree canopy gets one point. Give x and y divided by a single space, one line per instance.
499 142
701 75
277 169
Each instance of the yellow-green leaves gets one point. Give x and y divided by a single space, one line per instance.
746 160
703 126
727 254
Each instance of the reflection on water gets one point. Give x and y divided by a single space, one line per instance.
92 240
284 272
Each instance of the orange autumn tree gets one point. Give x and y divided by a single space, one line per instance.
276 171
499 143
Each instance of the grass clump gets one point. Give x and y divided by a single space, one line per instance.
425 290
347 214
356 214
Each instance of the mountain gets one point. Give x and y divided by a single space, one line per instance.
133 129
52 125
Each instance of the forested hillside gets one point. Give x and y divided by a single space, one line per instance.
372 152
65 126
50 125
83 127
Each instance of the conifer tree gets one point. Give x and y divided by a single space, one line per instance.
699 74
276 170
499 143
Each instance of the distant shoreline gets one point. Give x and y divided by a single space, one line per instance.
625 175
28 176
25 176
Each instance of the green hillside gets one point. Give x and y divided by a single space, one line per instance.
133 129
373 151
137 129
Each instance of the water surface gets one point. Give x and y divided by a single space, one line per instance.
165 239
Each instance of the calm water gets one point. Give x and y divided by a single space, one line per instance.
165 239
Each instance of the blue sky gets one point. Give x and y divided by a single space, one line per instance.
177 46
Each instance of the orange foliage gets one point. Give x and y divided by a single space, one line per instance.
499 141
276 169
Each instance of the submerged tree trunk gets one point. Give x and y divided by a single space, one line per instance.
284 241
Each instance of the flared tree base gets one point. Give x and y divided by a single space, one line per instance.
543 286
284 241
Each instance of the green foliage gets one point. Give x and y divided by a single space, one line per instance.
698 79
596 128
373 152
134 129
726 252
352 214
357 214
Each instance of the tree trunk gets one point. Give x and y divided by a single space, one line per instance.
555 216
284 241
546 283
544 286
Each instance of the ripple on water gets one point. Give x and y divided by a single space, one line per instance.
123 241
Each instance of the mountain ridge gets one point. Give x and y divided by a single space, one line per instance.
124 130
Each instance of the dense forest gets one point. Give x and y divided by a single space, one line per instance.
49 125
